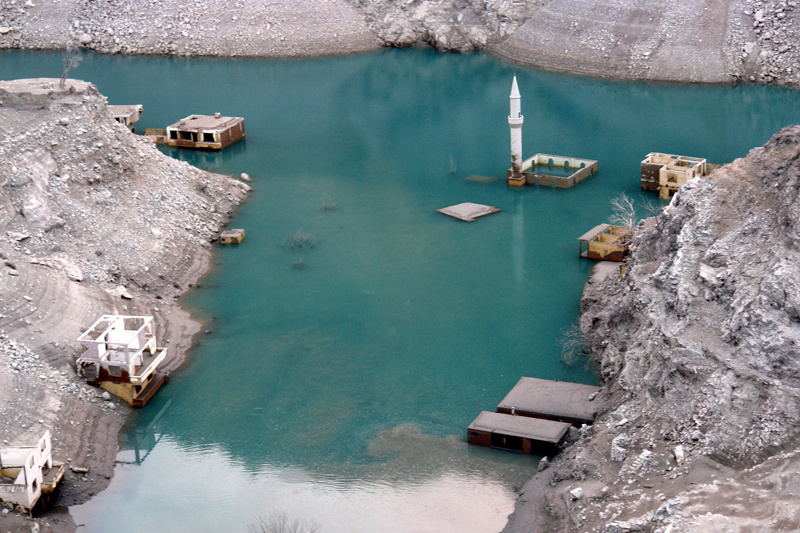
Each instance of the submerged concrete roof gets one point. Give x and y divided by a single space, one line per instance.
468 211
557 399
520 426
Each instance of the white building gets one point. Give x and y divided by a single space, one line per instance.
122 357
27 473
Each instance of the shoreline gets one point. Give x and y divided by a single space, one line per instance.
681 41
69 248
700 414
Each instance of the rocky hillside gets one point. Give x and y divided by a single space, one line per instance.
681 40
93 220
698 344
448 25
188 27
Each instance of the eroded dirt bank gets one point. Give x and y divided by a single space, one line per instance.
719 41
88 211
698 347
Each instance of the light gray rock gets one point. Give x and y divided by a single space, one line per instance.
619 448
576 493
543 464
704 321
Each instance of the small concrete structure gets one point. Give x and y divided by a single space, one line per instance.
468 211
28 475
231 236
535 171
666 172
560 401
605 243
205 131
122 357
126 114
519 433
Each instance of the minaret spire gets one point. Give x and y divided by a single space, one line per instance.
515 120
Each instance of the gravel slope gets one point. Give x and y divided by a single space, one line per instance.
273 28
680 40
88 211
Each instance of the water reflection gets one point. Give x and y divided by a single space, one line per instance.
136 441
518 231
211 160
417 483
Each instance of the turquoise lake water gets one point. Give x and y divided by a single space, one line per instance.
339 377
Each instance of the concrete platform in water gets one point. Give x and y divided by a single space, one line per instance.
536 171
560 401
211 132
518 433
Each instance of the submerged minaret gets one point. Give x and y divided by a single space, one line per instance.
515 124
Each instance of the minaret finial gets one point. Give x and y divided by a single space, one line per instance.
514 88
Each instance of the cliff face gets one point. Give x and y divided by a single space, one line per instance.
698 346
706 324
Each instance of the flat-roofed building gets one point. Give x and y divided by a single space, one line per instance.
212 132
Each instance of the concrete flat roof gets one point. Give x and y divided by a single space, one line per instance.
557 399
520 426
205 122
468 211
594 232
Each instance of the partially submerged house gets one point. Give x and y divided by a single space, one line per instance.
126 114
213 132
28 475
231 236
665 173
536 415
605 243
122 357
517 433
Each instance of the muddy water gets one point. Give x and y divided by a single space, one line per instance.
356 332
